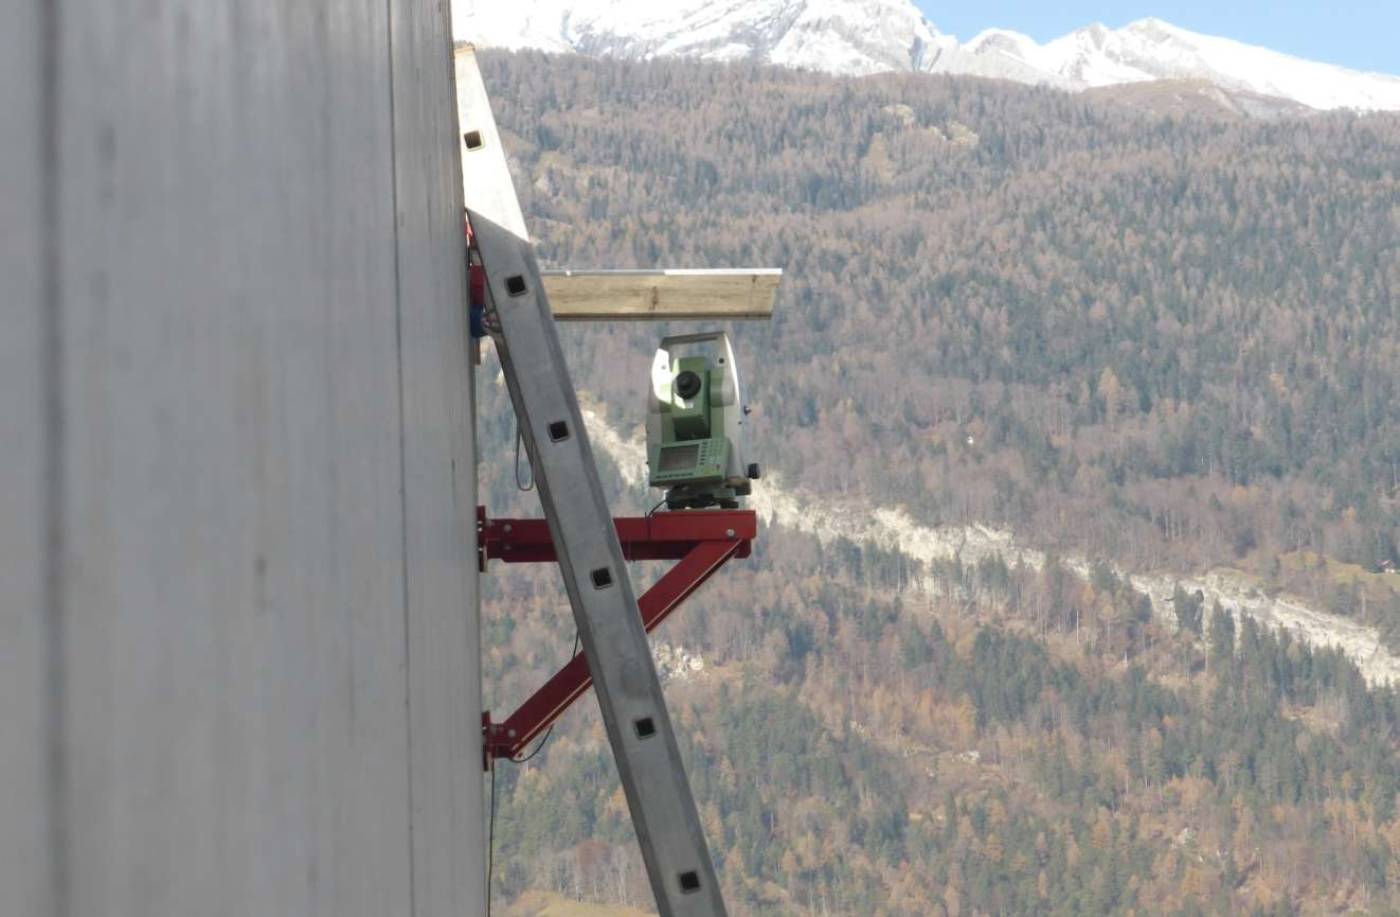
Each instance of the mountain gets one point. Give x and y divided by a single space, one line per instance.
853 37
1081 498
861 37
1151 49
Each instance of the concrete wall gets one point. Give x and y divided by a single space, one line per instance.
239 662
25 877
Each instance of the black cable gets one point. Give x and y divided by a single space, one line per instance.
550 731
491 842
646 517
538 748
491 830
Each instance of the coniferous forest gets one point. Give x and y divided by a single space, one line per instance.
1165 343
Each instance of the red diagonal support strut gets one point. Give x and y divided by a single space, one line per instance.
702 541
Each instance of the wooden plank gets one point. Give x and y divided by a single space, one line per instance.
664 295
608 295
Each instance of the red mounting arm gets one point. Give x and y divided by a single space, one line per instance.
701 540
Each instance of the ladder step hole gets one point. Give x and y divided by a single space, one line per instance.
645 728
473 140
602 578
515 285
690 882
558 431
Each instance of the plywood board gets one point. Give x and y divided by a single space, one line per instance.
663 295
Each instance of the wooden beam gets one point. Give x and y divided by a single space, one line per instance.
676 295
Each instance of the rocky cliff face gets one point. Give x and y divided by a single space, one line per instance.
892 529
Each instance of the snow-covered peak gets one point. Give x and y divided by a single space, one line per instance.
858 37
1150 49
530 24
838 36
1002 41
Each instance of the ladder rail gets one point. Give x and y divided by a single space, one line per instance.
590 556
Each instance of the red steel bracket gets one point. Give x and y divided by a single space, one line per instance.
702 540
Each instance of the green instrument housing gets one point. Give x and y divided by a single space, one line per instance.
687 453
693 424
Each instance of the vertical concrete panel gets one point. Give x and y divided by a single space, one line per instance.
25 866
235 655
268 476
439 486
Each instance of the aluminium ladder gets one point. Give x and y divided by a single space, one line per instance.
580 524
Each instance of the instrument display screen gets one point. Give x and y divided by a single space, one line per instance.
679 458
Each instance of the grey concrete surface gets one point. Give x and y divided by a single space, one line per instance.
240 658
25 879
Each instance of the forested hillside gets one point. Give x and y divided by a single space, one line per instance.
1165 343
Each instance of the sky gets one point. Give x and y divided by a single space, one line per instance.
1362 35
